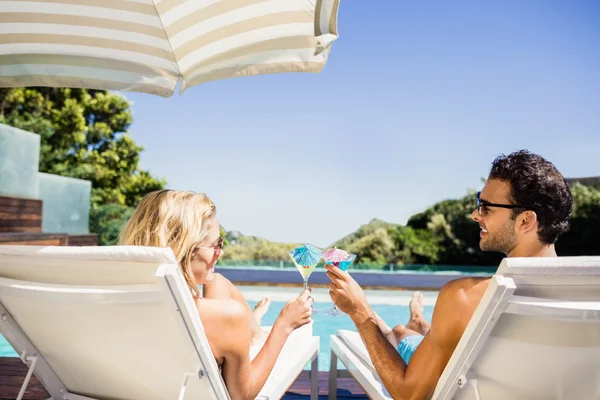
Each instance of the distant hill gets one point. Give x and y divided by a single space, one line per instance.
443 233
244 248
364 230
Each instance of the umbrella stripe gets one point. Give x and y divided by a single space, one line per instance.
86 11
257 54
143 45
223 13
87 51
326 17
233 17
84 61
83 41
252 42
166 5
257 69
79 82
202 10
85 73
60 19
30 31
142 7
280 22
302 60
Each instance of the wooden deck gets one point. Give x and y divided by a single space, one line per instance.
12 374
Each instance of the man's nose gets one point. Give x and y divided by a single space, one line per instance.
475 215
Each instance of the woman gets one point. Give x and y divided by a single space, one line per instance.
186 222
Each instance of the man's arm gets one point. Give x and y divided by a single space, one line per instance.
418 380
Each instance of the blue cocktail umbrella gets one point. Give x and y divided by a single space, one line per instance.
307 254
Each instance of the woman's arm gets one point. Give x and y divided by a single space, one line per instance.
294 314
229 336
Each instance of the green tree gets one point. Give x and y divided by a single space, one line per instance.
83 135
458 235
375 247
251 248
415 246
582 236
107 220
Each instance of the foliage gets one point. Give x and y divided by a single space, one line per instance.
582 237
415 246
245 248
379 242
444 234
457 234
107 220
83 135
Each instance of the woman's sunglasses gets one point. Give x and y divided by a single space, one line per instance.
217 247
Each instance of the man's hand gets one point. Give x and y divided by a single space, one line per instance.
347 295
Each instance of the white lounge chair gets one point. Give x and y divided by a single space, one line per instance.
535 335
119 323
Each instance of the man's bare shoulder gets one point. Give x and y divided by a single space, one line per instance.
464 290
455 305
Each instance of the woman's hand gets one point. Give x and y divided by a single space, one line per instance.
296 313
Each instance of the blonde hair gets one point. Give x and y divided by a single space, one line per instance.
171 218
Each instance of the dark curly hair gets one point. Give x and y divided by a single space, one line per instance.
536 184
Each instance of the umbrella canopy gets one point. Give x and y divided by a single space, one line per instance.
335 255
307 255
148 45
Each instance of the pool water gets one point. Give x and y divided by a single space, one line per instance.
5 349
392 307
325 325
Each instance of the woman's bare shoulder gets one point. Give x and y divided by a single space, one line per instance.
226 310
226 327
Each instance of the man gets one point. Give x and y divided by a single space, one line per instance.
524 207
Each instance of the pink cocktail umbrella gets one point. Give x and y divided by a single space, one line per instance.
335 255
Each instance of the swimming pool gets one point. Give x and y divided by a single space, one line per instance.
392 307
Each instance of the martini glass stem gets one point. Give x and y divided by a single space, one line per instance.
305 283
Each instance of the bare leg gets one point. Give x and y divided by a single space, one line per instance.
398 333
222 288
385 328
261 308
417 322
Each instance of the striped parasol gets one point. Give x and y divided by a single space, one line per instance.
149 45
307 254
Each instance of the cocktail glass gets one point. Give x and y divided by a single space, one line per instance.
343 265
306 258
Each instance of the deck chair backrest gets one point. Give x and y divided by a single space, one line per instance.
568 278
535 335
114 322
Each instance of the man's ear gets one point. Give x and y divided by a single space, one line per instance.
527 221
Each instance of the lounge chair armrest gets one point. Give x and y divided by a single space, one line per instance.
582 311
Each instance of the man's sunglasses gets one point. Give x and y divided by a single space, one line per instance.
482 205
